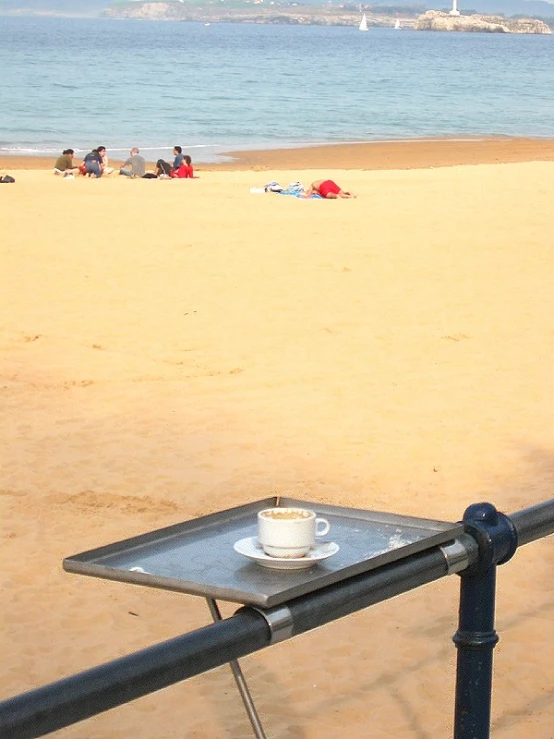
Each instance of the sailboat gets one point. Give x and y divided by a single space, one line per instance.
397 24
363 23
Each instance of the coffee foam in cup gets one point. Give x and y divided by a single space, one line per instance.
287 514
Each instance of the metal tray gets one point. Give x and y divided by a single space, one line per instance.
197 556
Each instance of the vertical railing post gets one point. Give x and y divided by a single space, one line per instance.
476 636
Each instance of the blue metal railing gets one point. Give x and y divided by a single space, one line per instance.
491 538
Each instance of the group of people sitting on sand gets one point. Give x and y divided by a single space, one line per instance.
95 164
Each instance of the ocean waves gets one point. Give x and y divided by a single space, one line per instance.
245 86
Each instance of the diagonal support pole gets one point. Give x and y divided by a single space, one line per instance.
240 681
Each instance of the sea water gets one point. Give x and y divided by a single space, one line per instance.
228 86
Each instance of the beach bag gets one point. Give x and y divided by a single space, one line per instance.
6 178
273 187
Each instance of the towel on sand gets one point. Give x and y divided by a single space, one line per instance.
295 194
295 189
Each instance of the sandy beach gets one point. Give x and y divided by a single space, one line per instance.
174 348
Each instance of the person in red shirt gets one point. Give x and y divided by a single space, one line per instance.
184 171
328 189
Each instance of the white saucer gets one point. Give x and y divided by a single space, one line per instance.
251 548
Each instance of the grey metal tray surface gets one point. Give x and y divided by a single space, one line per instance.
197 556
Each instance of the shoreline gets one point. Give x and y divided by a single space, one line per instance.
379 155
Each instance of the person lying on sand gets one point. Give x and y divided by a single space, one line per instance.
328 189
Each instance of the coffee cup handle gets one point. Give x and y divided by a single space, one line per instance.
325 526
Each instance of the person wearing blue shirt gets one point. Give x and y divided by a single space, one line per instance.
94 162
164 168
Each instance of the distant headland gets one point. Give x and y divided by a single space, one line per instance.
259 12
296 14
401 14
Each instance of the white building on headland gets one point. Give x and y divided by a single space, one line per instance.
454 10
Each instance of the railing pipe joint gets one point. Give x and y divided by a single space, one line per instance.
495 534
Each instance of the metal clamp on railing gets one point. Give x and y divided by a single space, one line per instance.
460 553
279 620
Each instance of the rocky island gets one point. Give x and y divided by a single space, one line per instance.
436 20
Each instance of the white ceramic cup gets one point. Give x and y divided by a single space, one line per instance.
289 532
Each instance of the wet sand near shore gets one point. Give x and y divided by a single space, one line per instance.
417 154
169 349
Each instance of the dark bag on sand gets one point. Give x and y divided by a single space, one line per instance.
6 178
